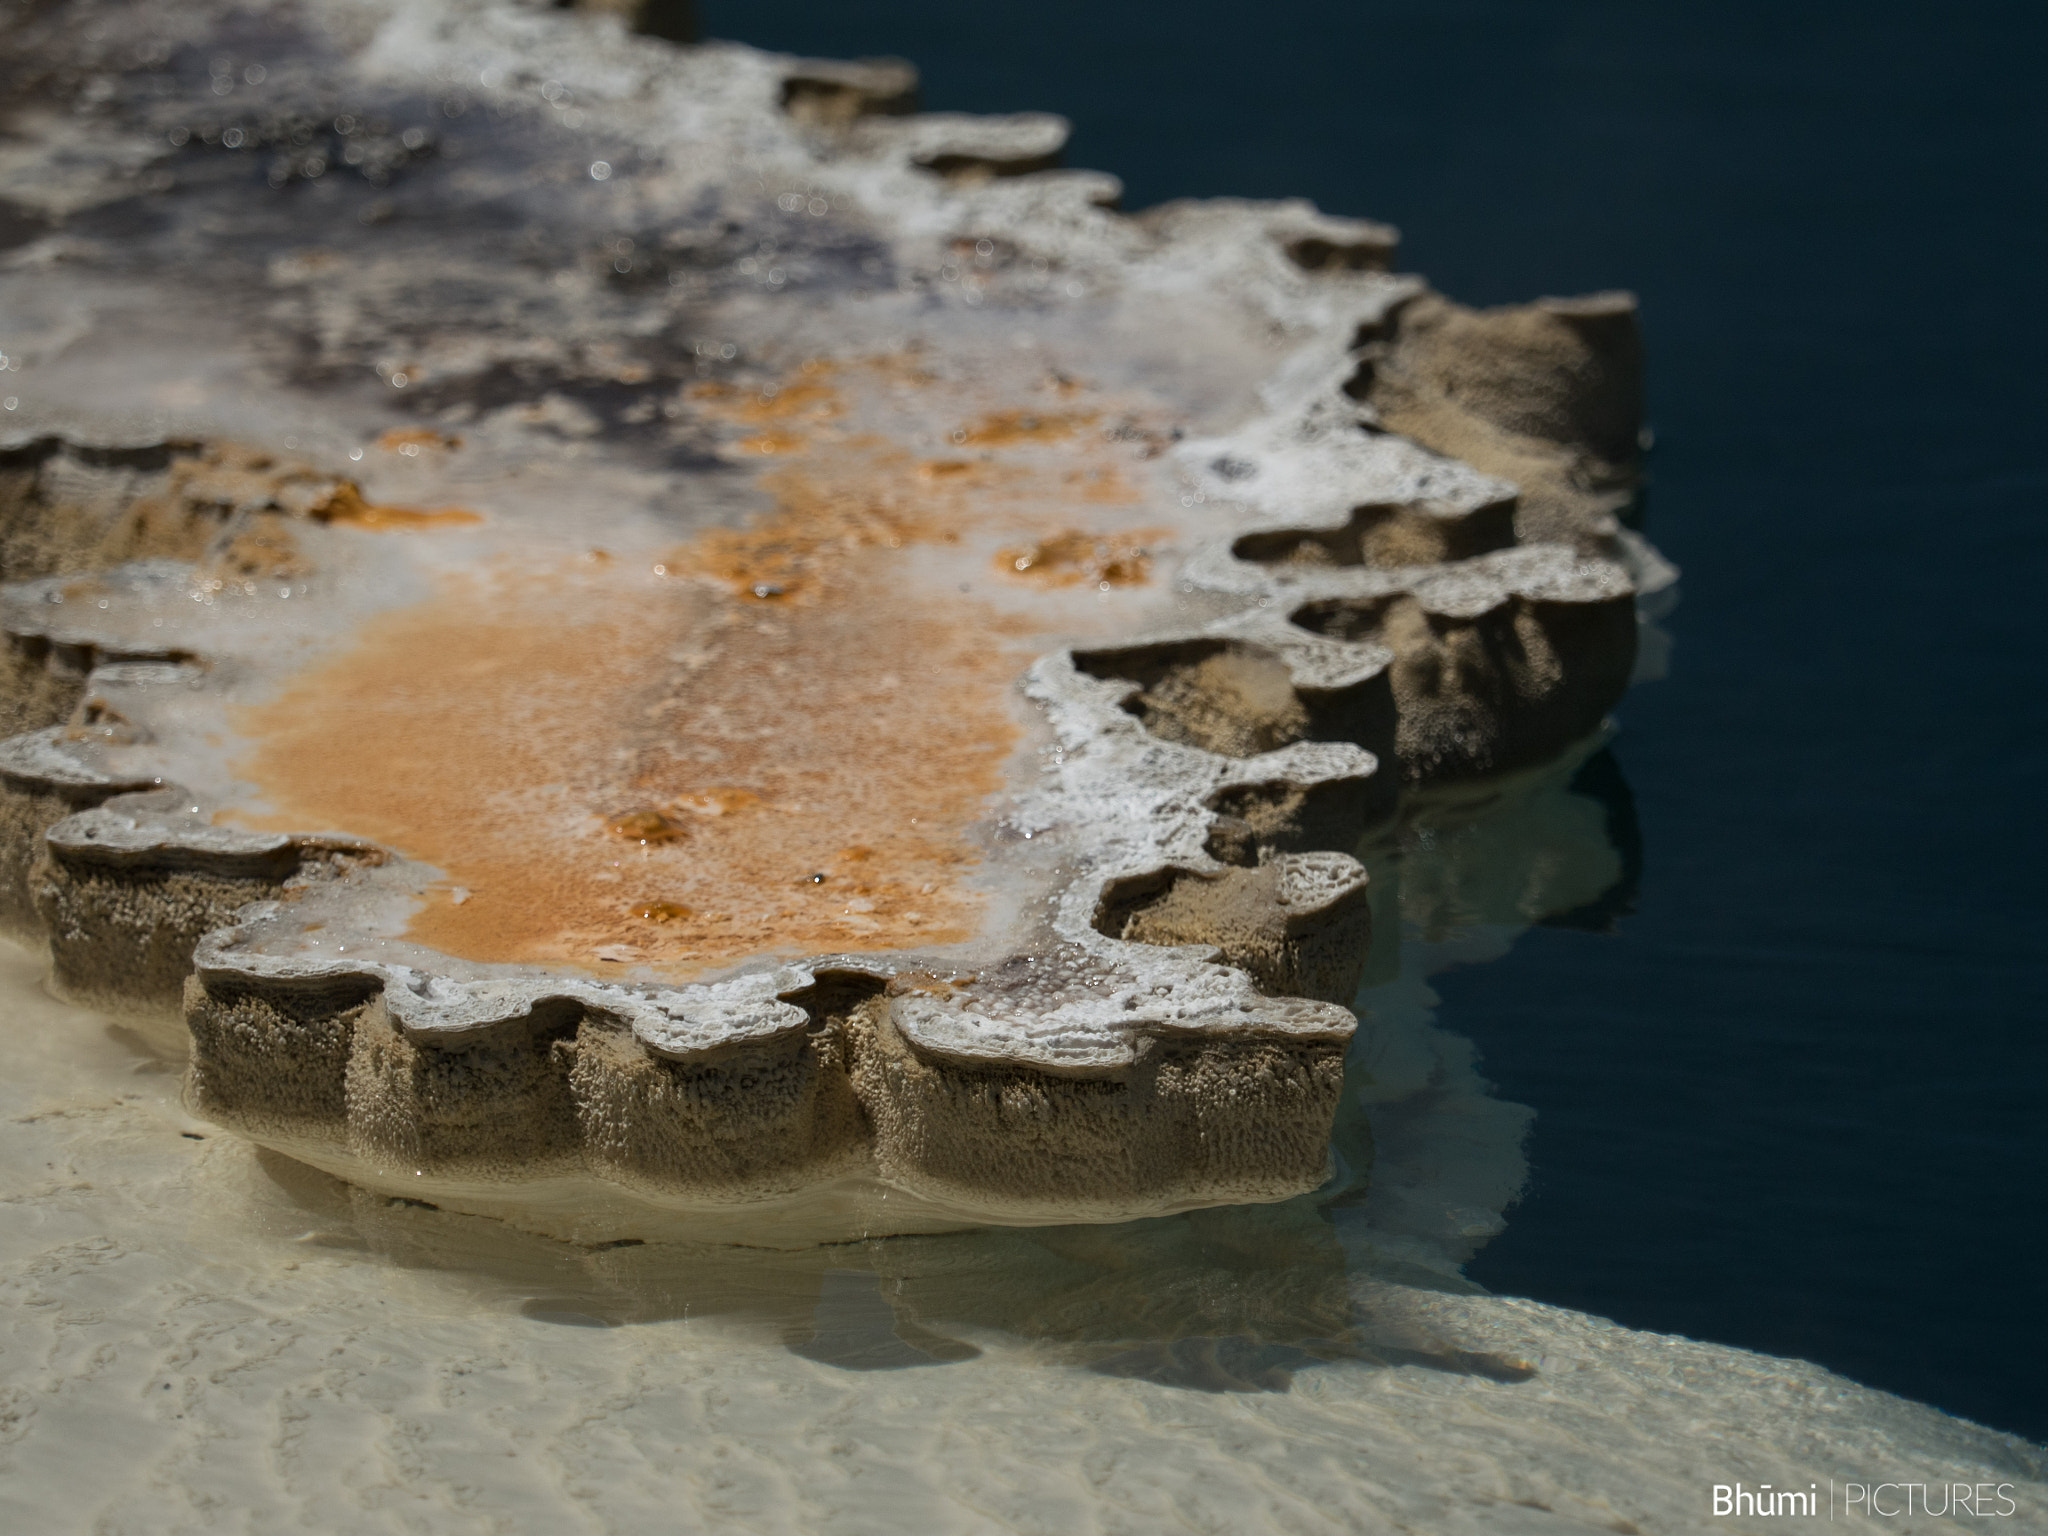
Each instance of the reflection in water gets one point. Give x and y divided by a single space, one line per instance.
1544 847
1600 779
1235 1299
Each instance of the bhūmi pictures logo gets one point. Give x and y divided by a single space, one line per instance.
1884 1501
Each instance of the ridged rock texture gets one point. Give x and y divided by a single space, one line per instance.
641 637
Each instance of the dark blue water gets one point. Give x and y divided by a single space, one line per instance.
1793 1100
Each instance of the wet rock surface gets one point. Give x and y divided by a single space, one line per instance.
642 638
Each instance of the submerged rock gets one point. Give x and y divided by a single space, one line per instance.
642 638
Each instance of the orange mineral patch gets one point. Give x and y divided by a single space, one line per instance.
1071 557
643 827
780 737
659 912
346 505
819 521
399 439
1002 429
809 396
536 740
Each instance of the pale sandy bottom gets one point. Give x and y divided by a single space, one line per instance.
194 1340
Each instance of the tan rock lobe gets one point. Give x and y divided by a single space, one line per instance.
840 682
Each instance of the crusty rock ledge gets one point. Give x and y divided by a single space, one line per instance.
1265 601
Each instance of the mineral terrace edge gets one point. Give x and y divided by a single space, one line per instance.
1171 1031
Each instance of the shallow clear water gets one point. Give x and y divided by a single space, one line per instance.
1787 1099
197 1336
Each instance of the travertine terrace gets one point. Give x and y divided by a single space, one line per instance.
647 639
